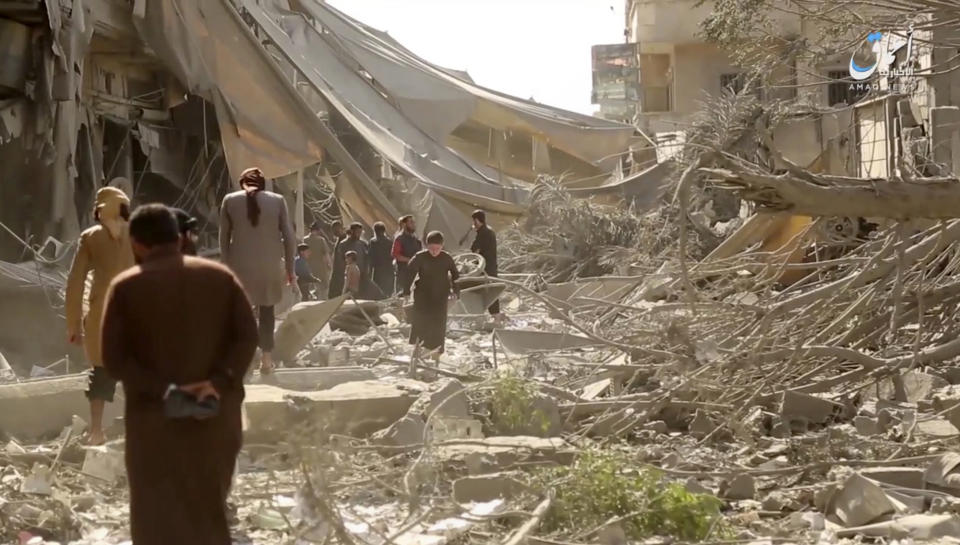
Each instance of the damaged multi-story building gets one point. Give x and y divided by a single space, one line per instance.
171 99
849 125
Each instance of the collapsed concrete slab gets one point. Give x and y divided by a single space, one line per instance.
302 324
38 408
525 341
476 296
316 378
486 487
353 408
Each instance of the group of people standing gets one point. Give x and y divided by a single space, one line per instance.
173 327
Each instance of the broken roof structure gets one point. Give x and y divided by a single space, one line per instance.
257 60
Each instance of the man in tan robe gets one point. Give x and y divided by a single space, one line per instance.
104 249
178 322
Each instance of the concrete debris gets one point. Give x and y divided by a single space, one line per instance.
860 501
41 408
482 488
867 426
900 477
800 410
915 527
944 472
741 487
105 462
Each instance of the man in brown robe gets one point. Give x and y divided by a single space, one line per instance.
177 322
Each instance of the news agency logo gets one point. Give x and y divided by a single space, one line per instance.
877 55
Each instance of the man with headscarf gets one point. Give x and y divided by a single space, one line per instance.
178 329
381 262
104 250
258 243
405 246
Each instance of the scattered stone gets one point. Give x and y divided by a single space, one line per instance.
742 487
867 426
105 462
860 501
701 425
657 426
489 487
694 487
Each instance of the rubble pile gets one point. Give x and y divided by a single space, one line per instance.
706 400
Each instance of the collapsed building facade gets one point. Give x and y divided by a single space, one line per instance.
171 99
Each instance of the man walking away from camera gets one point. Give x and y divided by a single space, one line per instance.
174 327
485 244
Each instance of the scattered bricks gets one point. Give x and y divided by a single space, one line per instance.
488 487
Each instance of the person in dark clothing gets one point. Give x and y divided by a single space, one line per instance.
485 244
188 231
405 246
305 278
173 323
335 285
436 279
381 261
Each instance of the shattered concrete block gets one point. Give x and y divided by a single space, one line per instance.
316 378
105 462
477 488
301 324
448 428
860 501
447 397
40 408
741 487
867 426
594 390
495 454
906 477
937 427
807 409
353 408
406 432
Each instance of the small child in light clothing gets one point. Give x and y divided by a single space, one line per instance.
352 281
